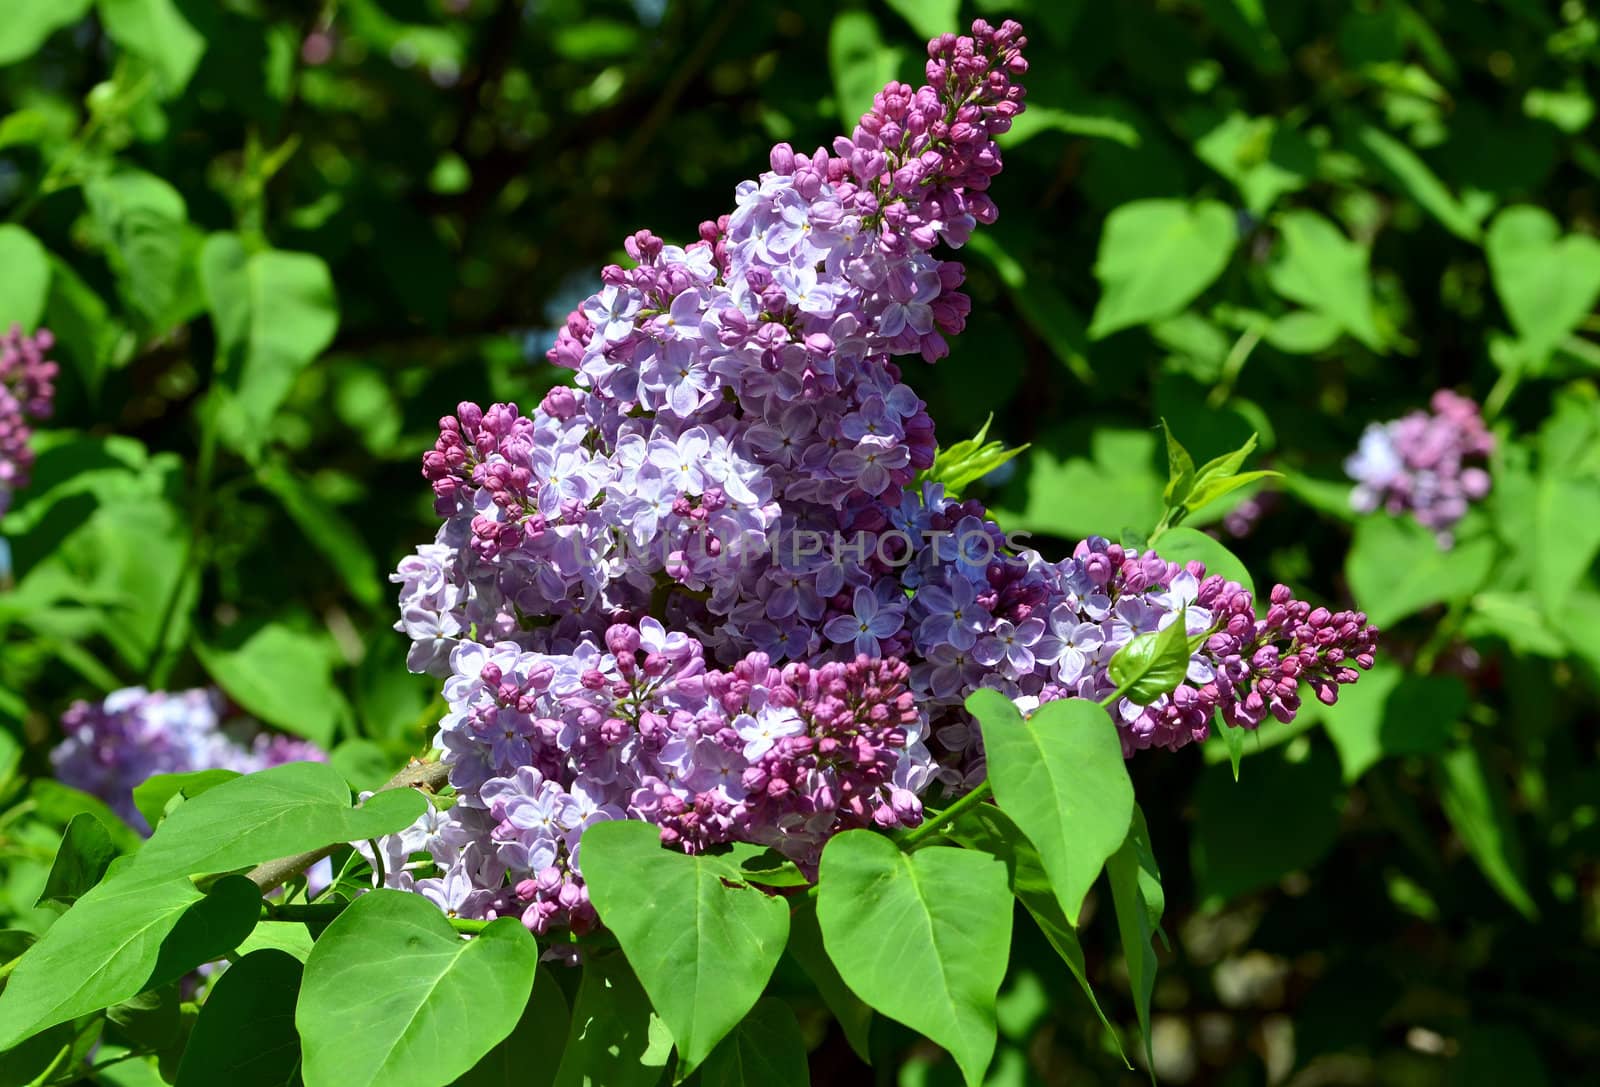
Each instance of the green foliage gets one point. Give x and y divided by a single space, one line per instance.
393 995
245 1034
702 941
922 937
1060 776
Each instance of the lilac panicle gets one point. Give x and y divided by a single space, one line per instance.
27 389
1426 463
630 602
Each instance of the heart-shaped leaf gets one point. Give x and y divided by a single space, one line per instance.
394 996
702 941
1061 775
922 937
1548 283
1156 256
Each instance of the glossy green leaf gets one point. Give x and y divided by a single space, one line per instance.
1547 282
28 23
1138 904
1475 802
921 937
988 828
1322 269
528 1056
860 63
929 18
702 942
156 32
122 937
1184 545
1061 776
1180 470
767 1050
153 795
1151 664
1389 713
26 283
1155 257
85 853
275 312
1396 567
281 675
245 1035
394 996
143 223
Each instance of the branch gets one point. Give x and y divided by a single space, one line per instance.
430 777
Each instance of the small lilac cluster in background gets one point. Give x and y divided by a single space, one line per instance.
27 387
1423 464
113 745
610 648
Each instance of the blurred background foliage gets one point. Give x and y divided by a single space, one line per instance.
277 240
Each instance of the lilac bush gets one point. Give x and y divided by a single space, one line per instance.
704 588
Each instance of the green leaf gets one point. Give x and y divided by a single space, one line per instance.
1476 806
156 32
1302 332
1263 160
922 937
1180 470
280 675
988 828
1391 713
1138 904
1152 664
767 1050
144 225
614 1033
26 283
527 1057
1322 269
1414 177
122 937
153 795
1233 740
28 23
275 312
1156 256
86 852
326 529
1548 283
86 335
929 18
860 63
806 948
1113 489
1251 833
393 996
1061 776
1395 568
59 804
289 937
274 813
1184 544
702 948
245 1034
968 461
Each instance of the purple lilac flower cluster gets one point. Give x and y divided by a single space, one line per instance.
27 387
115 744
1427 463
700 589
543 745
